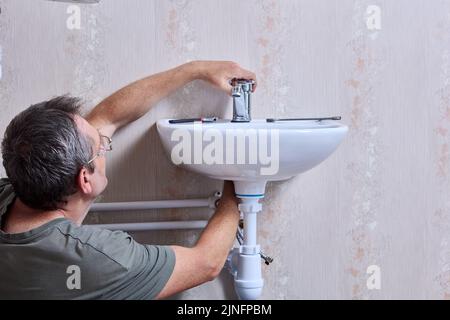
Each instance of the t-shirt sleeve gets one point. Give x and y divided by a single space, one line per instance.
130 270
5 185
7 195
3 182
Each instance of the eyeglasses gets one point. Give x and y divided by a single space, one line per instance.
105 146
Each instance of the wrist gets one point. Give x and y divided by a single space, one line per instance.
195 70
229 201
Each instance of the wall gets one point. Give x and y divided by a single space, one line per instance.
382 199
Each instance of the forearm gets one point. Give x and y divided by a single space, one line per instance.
218 237
133 101
203 262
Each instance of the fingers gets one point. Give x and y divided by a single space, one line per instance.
228 192
228 188
223 72
226 86
246 74
254 85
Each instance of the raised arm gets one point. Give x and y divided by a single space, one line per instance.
204 261
136 99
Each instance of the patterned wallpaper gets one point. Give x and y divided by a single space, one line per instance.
371 222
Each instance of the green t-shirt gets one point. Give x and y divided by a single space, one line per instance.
60 260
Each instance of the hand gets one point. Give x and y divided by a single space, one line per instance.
228 194
220 73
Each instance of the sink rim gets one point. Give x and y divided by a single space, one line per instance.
332 132
223 124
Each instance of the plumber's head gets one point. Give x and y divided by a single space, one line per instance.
52 155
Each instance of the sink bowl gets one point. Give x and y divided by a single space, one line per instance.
250 154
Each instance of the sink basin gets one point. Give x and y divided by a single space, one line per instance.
250 154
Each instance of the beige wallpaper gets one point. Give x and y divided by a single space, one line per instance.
381 202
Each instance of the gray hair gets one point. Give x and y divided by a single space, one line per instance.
43 152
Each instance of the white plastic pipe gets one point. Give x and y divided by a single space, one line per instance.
159 204
161 225
248 281
146 205
250 228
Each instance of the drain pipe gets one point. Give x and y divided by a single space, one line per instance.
245 261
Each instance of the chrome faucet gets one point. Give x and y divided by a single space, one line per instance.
241 92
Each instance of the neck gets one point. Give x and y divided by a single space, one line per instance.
22 218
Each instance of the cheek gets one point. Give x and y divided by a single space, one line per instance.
102 172
102 167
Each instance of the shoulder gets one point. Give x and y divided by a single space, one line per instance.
6 194
3 181
116 265
92 235
112 245
5 185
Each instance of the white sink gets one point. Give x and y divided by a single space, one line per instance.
250 154
282 149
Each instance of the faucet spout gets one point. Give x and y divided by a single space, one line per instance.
241 93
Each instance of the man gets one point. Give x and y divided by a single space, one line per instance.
55 164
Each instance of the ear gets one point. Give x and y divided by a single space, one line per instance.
84 180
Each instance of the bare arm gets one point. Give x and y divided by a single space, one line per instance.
204 261
136 99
